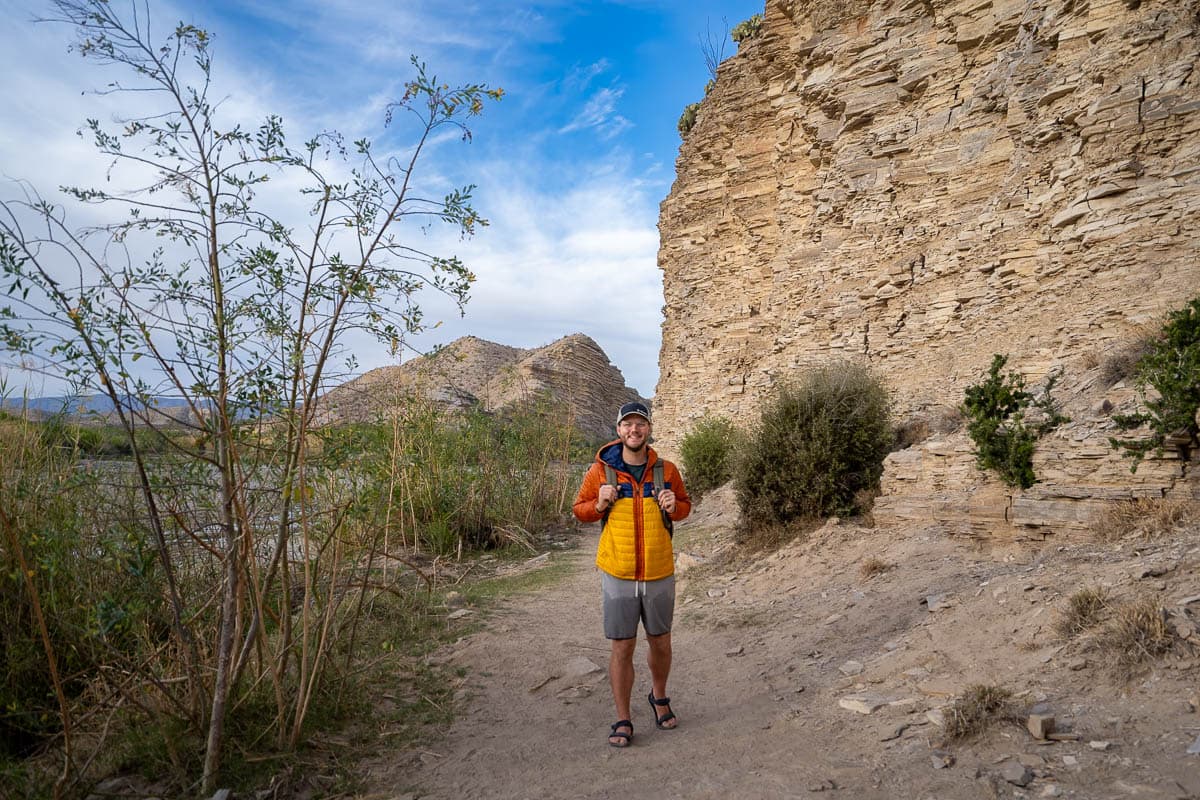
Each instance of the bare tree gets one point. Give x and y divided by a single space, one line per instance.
241 314
712 46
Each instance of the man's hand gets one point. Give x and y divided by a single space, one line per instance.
606 497
666 501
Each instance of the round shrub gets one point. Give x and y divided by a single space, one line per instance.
818 442
707 454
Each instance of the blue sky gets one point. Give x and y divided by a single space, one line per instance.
570 166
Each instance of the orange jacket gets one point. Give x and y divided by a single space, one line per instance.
635 544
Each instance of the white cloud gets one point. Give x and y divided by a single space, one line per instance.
572 245
600 112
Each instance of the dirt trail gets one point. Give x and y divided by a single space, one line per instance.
769 654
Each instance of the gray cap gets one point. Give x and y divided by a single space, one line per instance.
629 409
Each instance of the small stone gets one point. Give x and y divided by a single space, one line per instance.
1070 761
1040 725
863 703
1016 773
832 618
941 759
462 612
716 592
1102 746
580 667
851 668
938 602
1077 664
1051 791
1194 748
735 651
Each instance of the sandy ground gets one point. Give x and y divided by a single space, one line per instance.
778 658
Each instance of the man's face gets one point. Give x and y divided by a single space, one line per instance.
634 432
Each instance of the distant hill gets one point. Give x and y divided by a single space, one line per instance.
470 370
94 405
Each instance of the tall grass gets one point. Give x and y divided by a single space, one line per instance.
91 665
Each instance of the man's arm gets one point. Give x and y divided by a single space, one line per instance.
683 503
585 508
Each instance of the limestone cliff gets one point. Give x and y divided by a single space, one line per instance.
573 371
918 184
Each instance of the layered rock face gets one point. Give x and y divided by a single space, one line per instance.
921 184
573 371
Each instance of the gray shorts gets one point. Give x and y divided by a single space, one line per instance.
626 602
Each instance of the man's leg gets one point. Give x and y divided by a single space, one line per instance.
659 659
620 677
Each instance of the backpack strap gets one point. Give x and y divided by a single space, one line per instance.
658 481
610 477
661 483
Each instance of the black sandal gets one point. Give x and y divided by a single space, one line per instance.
616 734
670 715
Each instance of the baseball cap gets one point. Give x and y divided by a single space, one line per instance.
633 408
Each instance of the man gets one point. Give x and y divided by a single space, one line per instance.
635 559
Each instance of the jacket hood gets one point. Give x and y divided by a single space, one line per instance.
612 455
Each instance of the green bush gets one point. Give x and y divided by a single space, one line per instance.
818 442
687 120
707 454
746 29
1171 367
996 411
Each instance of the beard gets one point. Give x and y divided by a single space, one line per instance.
636 448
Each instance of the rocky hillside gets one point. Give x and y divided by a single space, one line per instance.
468 371
919 184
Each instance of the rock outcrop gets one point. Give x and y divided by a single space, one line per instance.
572 371
919 184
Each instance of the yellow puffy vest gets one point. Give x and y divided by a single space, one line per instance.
635 544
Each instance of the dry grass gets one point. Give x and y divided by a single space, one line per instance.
1145 518
1085 609
1136 634
976 710
1121 364
911 431
766 538
872 567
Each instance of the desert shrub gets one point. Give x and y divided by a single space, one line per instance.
1085 608
817 443
746 29
873 566
1136 634
911 431
996 412
70 580
707 454
687 120
977 709
1171 369
1122 362
1145 517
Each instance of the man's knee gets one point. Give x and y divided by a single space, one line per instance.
660 643
623 648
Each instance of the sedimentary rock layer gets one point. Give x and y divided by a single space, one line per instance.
920 184
573 372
